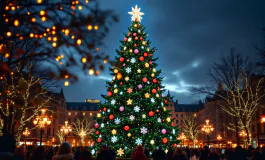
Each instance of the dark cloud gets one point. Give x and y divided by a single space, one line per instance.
189 36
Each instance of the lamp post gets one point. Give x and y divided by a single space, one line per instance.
66 128
26 133
243 134
41 122
218 139
207 128
262 120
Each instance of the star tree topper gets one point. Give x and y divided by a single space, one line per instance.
136 14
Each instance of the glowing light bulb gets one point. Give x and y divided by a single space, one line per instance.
66 32
84 60
8 34
42 12
96 27
66 83
89 27
91 71
78 41
54 44
16 22
31 35
33 19
39 1
80 7
43 19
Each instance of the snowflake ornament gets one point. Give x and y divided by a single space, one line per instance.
133 60
115 85
113 102
102 125
128 70
132 117
136 109
138 141
114 139
129 39
142 47
173 131
152 100
162 104
93 151
143 130
117 121
121 93
159 120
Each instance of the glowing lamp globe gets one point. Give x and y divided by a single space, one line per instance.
164 140
111 117
121 108
163 131
126 128
99 140
119 76
151 113
96 125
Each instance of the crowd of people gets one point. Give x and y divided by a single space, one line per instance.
8 151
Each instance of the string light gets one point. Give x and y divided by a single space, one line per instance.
89 27
78 41
84 60
66 32
39 1
42 12
16 23
91 71
96 27
8 34
43 19
66 83
33 19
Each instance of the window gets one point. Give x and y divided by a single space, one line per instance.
177 121
69 113
84 113
181 115
75 113
177 115
195 115
91 114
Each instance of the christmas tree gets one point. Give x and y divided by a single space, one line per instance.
134 112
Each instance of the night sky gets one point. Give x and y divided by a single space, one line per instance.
188 35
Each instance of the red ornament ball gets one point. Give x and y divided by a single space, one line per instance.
165 101
174 145
104 109
125 39
134 34
121 59
141 38
141 58
154 80
111 117
97 132
151 113
145 54
109 93
164 140
144 79
150 123
172 124
154 91
129 34
126 128
96 125
157 110
150 62
150 55
99 140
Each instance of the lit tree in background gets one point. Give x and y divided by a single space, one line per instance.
240 96
60 135
75 28
134 112
82 128
191 128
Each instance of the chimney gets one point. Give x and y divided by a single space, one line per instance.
177 102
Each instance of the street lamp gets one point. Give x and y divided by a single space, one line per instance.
41 122
218 139
243 134
26 133
66 128
207 128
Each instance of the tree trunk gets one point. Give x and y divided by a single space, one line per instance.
237 131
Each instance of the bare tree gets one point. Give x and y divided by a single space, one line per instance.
60 135
82 128
191 128
241 93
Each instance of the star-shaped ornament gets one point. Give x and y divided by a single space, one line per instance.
138 71
129 102
136 14
129 90
127 78
120 152
147 95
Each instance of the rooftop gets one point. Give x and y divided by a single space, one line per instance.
82 106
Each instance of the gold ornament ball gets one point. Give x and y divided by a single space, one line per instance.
130 50
116 71
143 42
164 108
116 90
152 75
119 76
135 25
129 134
168 119
143 116
98 115
157 95
146 65
154 70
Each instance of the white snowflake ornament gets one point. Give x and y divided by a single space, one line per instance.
128 70
136 109
138 141
131 117
113 102
152 100
117 121
133 60
102 125
114 139
159 120
143 130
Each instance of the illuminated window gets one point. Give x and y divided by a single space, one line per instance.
84 113
91 114
75 113
69 113
195 114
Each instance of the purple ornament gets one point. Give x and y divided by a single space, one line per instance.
96 125
163 131
123 64
140 86
121 108
136 51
